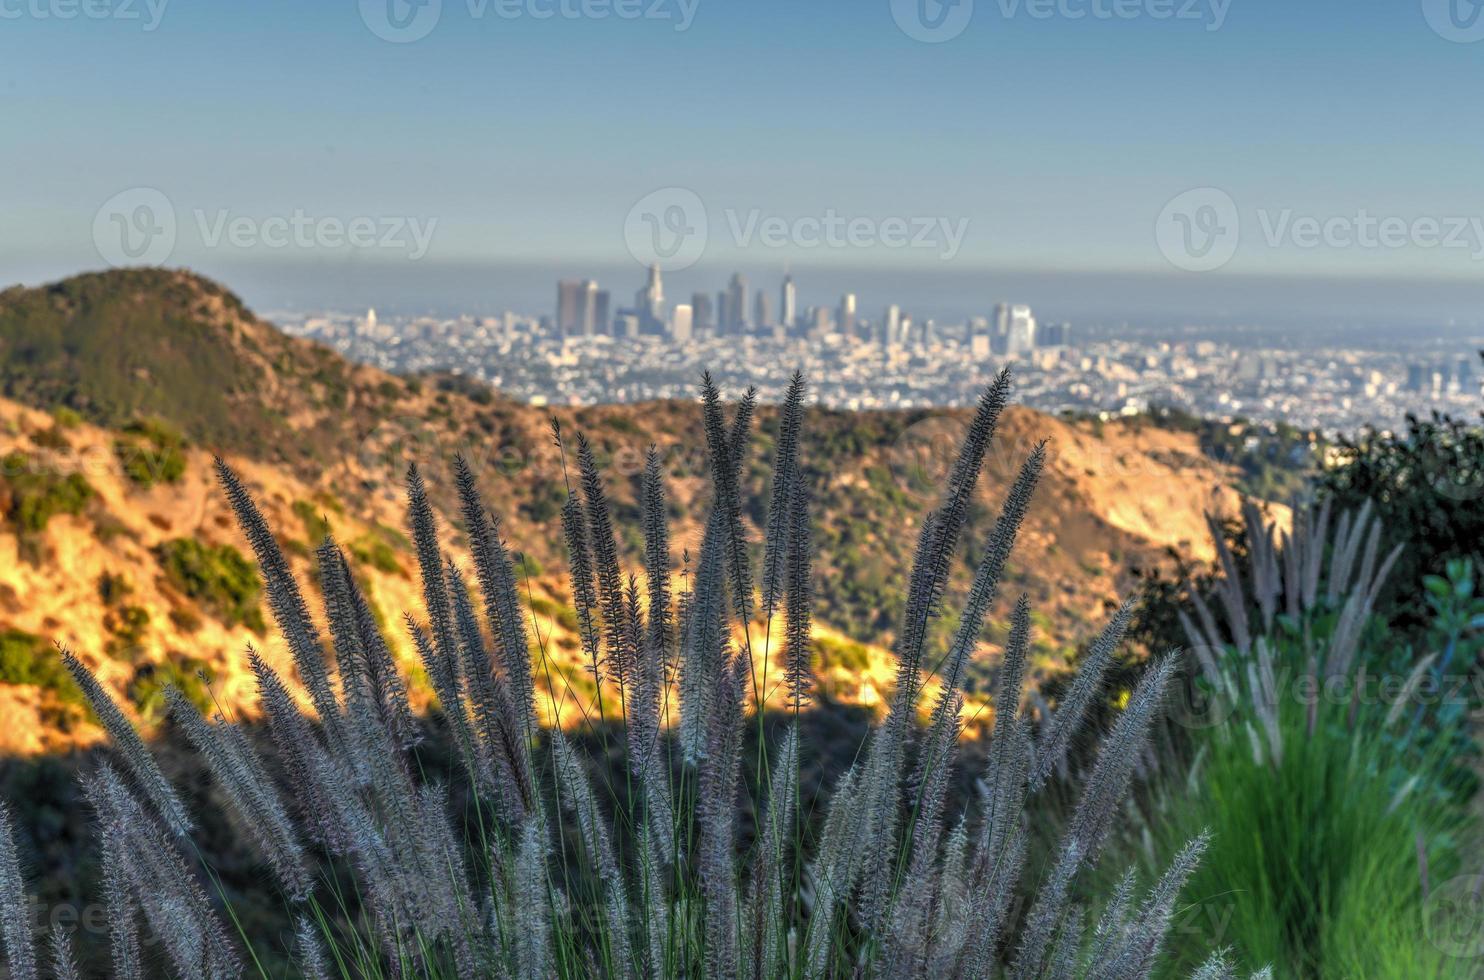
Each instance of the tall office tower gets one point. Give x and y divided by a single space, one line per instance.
703 320
845 316
737 305
788 303
819 321
1021 336
724 315
999 340
762 312
570 294
601 301
587 309
1054 335
650 302
891 323
626 324
681 324
979 338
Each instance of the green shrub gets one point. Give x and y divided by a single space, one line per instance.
1314 860
39 493
376 550
834 653
28 659
1427 485
151 452
220 578
127 627
147 687
316 525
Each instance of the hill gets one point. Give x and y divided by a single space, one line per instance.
121 386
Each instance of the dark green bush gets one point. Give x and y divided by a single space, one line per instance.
38 493
151 452
219 577
28 659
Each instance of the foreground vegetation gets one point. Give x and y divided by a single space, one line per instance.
679 860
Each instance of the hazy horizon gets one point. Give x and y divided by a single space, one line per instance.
948 295
1187 158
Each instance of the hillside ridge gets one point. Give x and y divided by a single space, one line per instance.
115 540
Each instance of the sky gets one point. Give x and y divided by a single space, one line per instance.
1179 149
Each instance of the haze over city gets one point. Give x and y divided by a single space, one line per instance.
1045 143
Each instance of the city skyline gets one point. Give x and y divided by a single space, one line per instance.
1047 179
583 310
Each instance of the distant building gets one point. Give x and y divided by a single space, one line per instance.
762 312
702 313
649 302
1021 334
600 312
981 345
626 324
724 314
788 303
891 325
570 298
737 305
681 324
845 317
1054 335
819 321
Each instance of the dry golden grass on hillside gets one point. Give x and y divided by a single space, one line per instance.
1108 497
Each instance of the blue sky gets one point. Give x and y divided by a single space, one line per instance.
1054 142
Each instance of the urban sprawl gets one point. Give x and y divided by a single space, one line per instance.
589 351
